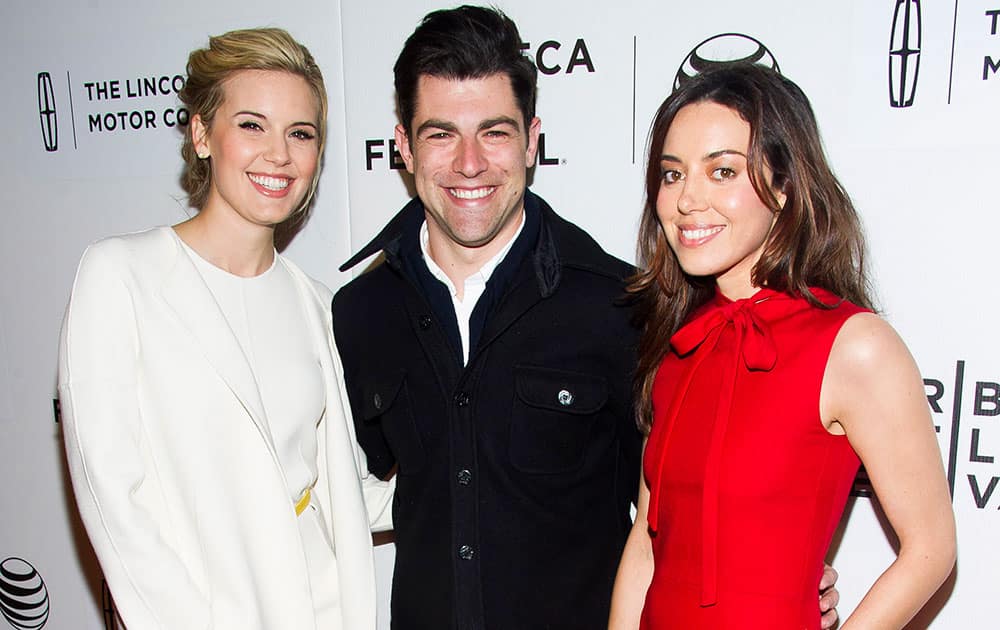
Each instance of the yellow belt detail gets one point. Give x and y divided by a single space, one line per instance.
303 503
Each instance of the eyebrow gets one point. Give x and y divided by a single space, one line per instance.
666 157
499 120
301 123
444 125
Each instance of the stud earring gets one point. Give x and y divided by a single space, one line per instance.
203 156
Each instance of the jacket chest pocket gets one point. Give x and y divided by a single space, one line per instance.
552 418
387 402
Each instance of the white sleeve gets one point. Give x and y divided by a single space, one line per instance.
378 497
116 487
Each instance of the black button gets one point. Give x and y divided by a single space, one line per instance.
465 552
462 399
377 401
425 322
464 477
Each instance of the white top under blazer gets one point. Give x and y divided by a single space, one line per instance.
268 320
171 456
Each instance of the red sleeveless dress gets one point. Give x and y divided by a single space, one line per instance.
746 486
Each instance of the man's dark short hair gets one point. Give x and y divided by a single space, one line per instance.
467 42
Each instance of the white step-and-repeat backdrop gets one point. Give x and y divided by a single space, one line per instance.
906 91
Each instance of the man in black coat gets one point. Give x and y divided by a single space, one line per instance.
489 358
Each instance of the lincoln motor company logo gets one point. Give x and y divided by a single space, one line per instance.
904 53
24 600
47 112
724 48
108 106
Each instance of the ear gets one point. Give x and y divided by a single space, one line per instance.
403 144
534 129
199 136
781 197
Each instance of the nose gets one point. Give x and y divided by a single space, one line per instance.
470 159
692 197
276 151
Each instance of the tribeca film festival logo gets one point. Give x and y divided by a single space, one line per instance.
551 57
24 600
110 106
724 48
982 478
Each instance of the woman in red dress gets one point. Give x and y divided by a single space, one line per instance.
764 377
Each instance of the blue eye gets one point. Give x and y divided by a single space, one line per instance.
303 134
251 125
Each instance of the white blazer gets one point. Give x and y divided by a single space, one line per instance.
171 458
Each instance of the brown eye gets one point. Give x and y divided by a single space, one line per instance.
670 176
723 173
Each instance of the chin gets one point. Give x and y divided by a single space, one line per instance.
700 269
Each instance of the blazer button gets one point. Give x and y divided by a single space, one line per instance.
425 322
565 397
462 399
464 477
377 401
465 552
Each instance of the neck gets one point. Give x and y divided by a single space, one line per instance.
736 283
457 261
239 247
736 291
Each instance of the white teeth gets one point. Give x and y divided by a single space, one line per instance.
475 193
271 183
699 233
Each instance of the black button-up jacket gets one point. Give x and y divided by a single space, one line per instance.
515 472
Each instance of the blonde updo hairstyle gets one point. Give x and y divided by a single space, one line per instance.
209 68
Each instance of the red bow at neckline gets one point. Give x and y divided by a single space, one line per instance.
757 345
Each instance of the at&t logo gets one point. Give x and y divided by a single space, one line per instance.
724 48
24 600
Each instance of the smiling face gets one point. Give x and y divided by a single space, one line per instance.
263 146
710 213
469 154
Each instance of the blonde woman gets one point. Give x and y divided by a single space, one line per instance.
212 458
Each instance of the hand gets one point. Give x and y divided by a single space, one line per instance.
829 597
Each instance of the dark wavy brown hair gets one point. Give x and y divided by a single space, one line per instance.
467 42
816 241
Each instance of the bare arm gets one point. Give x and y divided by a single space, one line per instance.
873 392
635 571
